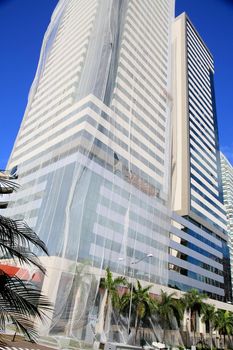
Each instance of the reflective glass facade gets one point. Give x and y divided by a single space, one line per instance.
227 183
93 151
198 249
205 202
197 259
94 160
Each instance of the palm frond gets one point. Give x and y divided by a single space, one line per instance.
111 283
193 300
21 255
21 303
17 232
22 297
120 281
7 185
22 324
142 290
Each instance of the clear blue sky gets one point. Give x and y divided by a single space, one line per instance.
22 26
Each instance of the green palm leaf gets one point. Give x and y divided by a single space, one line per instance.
20 255
22 324
16 232
23 297
21 302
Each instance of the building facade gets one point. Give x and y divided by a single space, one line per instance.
227 184
196 180
93 151
93 158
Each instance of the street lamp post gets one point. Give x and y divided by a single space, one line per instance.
131 289
187 321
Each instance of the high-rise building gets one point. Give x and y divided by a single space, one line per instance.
93 157
227 185
93 150
201 251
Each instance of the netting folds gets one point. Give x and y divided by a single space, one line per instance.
93 155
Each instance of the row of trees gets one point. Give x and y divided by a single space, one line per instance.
165 309
21 303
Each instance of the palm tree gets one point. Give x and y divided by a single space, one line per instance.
193 301
110 298
224 324
209 316
169 309
15 240
21 303
143 305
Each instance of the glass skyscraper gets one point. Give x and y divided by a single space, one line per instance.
227 184
94 158
201 252
93 151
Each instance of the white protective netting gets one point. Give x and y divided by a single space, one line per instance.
93 156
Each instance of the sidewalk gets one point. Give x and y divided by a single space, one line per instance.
23 345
